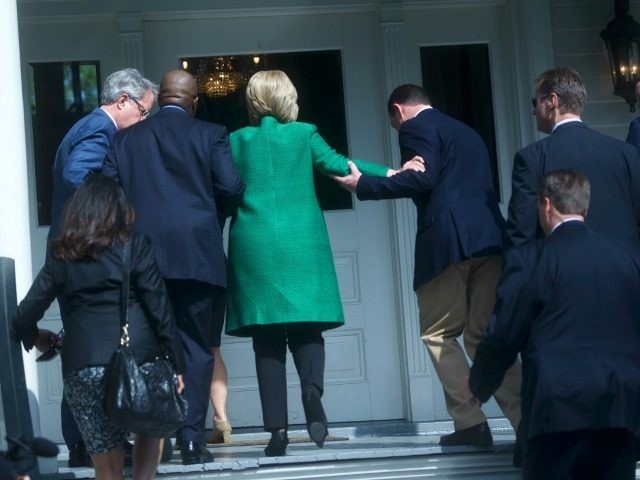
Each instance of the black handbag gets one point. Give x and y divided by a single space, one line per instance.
142 399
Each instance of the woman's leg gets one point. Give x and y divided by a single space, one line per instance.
221 431
109 465
307 346
270 347
146 456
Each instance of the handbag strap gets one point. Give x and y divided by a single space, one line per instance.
124 294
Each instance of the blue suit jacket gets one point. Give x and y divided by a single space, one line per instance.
81 153
458 215
177 172
569 303
612 167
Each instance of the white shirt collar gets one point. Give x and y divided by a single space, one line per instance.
109 115
562 122
577 218
425 107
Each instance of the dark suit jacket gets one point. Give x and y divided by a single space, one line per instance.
612 167
81 153
570 305
633 137
458 215
177 172
90 291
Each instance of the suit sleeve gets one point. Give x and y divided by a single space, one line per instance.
87 156
153 296
45 288
228 187
522 223
329 162
633 137
509 326
415 139
110 165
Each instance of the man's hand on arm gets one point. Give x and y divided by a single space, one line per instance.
415 164
349 182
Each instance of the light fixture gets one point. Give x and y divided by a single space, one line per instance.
622 40
217 77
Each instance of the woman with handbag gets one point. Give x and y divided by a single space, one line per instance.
84 269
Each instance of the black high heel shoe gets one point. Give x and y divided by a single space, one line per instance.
278 444
314 413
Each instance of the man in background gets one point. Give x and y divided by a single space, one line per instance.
127 98
612 166
178 173
569 305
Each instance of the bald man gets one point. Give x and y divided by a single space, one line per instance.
178 173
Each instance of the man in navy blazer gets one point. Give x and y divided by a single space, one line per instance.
126 98
569 304
178 174
612 166
457 252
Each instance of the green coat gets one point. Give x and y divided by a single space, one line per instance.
280 263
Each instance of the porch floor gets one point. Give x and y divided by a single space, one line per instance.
370 450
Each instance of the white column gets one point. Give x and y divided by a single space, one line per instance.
15 238
419 404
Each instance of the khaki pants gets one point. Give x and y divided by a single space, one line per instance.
457 302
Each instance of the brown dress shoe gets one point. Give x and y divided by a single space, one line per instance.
476 436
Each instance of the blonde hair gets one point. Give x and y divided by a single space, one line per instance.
270 92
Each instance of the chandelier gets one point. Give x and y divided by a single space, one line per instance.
217 77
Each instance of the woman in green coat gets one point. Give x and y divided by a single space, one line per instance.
282 286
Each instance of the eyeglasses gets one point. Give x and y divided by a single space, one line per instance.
534 100
144 113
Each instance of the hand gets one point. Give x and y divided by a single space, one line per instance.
469 397
349 182
180 386
416 164
47 340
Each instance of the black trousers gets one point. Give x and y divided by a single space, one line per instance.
270 346
607 454
194 304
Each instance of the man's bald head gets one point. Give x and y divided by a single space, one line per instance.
178 87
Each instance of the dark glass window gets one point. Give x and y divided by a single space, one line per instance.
61 93
317 77
457 78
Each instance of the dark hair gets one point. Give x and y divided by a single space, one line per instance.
96 216
567 85
407 94
568 190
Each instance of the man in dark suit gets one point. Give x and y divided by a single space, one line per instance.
178 173
612 166
569 303
457 252
127 98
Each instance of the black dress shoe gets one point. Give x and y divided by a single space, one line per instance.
277 445
476 436
78 456
314 413
193 452
167 451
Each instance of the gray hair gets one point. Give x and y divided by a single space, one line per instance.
129 81
568 190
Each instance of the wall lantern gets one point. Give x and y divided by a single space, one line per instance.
622 40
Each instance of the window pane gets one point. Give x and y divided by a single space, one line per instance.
61 93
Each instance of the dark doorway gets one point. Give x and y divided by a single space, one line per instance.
457 78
